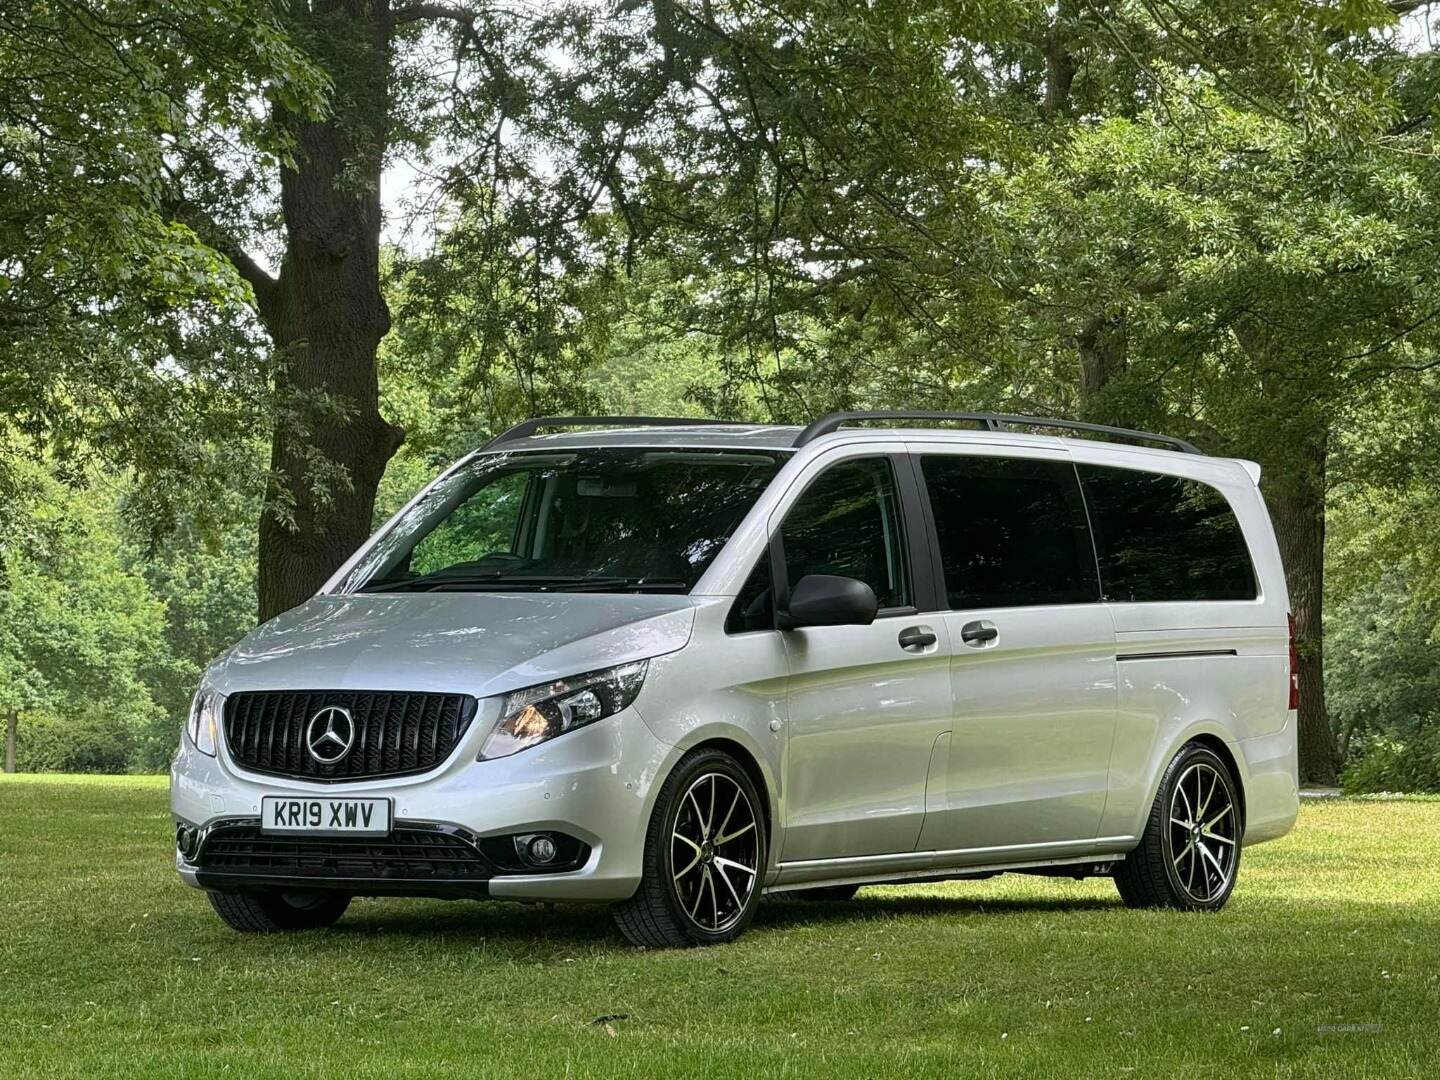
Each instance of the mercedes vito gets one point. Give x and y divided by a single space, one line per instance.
673 666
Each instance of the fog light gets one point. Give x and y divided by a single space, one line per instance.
542 850
187 840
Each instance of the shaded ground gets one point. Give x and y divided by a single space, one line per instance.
1325 963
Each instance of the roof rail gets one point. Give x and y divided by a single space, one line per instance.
526 428
990 422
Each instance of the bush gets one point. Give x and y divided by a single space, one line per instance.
96 743
1387 764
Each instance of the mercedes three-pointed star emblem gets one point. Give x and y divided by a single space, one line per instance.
330 734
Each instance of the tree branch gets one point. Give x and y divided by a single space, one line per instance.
417 12
265 287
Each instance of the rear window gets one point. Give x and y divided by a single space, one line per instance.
1012 531
1165 538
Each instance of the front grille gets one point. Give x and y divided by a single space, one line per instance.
395 733
407 854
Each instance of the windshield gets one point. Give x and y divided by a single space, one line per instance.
595 520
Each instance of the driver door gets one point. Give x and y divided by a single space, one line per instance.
866 703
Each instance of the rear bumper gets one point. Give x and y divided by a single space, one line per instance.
1272 783
595 785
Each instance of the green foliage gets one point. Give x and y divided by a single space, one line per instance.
123 334
77 628
1385 764
82 739
101 642
1216 218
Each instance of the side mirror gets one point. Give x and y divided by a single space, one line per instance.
827 600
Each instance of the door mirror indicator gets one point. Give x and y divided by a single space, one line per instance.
828 600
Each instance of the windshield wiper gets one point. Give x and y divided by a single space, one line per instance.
599 583
528 583
498 582
425 582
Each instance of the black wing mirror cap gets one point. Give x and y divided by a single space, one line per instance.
829 600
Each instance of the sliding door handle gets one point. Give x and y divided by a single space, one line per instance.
979 633
917 638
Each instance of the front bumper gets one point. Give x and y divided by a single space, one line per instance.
595 784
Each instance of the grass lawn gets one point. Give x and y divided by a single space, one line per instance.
1326 963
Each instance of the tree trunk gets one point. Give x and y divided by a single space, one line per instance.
12 726
1294 437
326 316
1103 348
1297 507
1060 64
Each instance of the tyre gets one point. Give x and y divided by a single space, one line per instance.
830 893
1189 855
704 857
271 912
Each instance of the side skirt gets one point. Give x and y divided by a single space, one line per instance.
1081 866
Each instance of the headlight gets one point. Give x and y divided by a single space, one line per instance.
539 713
203 727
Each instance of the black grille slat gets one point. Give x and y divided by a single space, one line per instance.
396 733
407 854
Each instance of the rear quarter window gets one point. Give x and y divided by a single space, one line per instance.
1161 538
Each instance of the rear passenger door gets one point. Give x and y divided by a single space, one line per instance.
1032 658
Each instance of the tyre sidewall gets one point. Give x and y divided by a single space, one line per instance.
713 761
1192 755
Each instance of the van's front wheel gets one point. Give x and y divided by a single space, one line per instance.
1190 853
704 857
271 912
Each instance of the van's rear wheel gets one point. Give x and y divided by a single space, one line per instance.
271 912
704 857
1190 853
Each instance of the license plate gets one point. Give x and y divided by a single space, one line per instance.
306 814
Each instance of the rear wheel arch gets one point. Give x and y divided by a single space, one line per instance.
1221 749
1209 736
1179 826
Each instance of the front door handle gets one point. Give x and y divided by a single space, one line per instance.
917 638
979 633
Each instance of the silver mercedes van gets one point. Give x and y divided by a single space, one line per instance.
673 666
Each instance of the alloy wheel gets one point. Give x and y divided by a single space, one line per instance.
1204 832
714 852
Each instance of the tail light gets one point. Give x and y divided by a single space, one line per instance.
1294 667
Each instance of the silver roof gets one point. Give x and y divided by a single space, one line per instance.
782 437
736 436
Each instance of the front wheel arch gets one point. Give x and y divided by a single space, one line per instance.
748 762
661 913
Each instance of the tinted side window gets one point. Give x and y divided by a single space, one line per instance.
1165 538
1012 531
848 523
754 608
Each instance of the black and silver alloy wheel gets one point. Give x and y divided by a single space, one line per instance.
704 857
1203 832
1189 854
714 848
